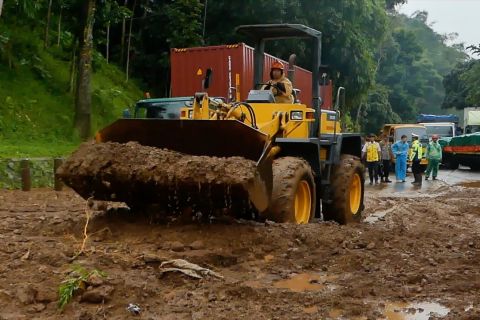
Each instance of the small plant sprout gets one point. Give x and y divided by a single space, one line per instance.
77 279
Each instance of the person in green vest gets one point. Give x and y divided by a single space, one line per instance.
434 157
416 157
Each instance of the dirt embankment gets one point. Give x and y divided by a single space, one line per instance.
415 252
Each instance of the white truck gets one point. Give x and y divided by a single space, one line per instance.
444 125
471 120
443 129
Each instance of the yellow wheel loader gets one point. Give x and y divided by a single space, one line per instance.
284 162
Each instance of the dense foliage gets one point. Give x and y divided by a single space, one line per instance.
411 63
462 84
392 65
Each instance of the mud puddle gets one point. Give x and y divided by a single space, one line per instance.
305 282
402 311
414 311
471 184
378 216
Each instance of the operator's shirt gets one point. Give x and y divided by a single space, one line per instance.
280 95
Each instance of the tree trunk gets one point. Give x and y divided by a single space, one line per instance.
49 15
130 40
73 68
107 53
1 6
122 40
59 26
83 97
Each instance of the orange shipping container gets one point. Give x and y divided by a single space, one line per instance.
232 77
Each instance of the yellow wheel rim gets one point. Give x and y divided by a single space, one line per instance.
355 193
303 202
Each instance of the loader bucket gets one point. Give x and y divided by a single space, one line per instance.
229 138
209 152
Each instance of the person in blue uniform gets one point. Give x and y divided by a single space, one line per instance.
400 152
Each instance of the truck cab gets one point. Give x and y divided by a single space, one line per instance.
396 131
442 129
161 108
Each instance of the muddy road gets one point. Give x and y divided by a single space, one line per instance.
416 255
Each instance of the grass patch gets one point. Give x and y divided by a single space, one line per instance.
36 149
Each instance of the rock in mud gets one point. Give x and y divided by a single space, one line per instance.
197 245
95 280
45 295
38 307
26 294
97 295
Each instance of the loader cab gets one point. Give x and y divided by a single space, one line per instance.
260 96
266 96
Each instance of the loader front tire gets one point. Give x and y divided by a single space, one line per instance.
347 190
293 195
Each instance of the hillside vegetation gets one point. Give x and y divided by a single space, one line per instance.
36 101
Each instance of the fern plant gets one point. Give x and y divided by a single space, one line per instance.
78 279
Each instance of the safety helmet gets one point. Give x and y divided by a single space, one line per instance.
414 135
277 65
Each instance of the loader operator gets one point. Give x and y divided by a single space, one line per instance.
281 87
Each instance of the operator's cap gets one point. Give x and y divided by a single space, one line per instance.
277 65
414 135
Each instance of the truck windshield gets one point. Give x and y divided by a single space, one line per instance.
160 109
157 112
472 129
442 131
421 132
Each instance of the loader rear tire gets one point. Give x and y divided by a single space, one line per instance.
347 190
293 195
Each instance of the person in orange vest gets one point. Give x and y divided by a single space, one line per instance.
280 85
372 153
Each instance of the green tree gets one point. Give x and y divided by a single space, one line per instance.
168 24
411 61
377 111
107 14
462 86
350 28
474 49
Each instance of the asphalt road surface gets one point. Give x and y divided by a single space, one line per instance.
461 176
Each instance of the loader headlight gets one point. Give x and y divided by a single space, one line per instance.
190 114
296 115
